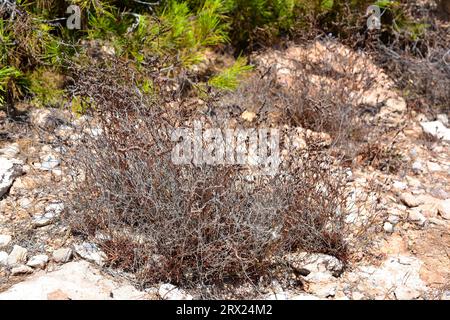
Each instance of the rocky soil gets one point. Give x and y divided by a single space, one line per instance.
409 257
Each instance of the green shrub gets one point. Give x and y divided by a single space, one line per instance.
228 79
26 44
177 33
11 80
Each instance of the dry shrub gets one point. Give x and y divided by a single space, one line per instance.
382 157
324 87
421 68
190 225
425 80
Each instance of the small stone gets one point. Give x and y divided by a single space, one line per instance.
43 220
94 132
102 236
438 148
39 261
437 222
396 104
248 116
429 210
25 203
3 258
17 256
9 171
62 255
76 137
4 240
168 291
23 186
349 174
436 129
46 149
410 200
64 132
393 219
413 182
416 217
398 185
413 153
48 118
388 227
442 118
316 263
433 166
57 172
444 209
26 168
108 50
417 167
439 193
19 270
90 252
10 151
49 163
428 199
56 208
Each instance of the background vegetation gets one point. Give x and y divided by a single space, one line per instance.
36 46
